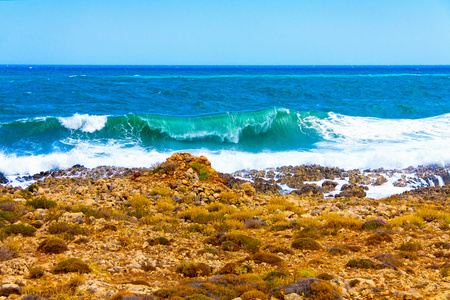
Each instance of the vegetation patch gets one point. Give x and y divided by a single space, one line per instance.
16 229
52 246
41 202
306 244
410 246
191 269
71 265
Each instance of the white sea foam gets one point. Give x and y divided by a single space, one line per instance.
84 122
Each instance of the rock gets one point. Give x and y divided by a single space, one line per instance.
352 190
293 296
254 222
78 218
3 179
10 289
309 189
411 294
264 186
442 296
329 186
249 190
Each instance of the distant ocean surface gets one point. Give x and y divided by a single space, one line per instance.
52 117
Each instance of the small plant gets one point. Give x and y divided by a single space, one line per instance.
410 246
203 171
41 203
378 238
306 244
71 265
323 290
361 264
191 269
14 247
36 272
208 250
235 268
52 246
15 229
268 258
254 294
374 224
64 227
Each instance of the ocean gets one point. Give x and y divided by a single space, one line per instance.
240 117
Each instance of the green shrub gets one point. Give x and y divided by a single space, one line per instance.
15 229
71 265
306 244
268 258
36 272
41 203
52 246
361 264
410 246
64 227
194 269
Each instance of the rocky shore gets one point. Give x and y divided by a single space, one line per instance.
181 230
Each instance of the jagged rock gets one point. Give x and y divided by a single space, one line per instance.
329 186
309 189
249 190
230 181
10 289
264 186
352 190
3 179
78 218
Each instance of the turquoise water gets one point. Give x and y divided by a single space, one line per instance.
240 117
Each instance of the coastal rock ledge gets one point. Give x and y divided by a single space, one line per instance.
181 230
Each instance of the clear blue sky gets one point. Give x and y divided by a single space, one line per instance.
236 32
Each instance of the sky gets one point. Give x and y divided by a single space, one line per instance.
230 32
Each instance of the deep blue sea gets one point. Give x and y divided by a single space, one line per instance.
53 117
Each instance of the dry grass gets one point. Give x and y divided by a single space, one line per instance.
408 222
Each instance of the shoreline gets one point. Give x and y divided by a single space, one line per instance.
183 231
378 183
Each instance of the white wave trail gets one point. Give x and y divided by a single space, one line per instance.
84 122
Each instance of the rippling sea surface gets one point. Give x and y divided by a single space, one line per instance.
53 117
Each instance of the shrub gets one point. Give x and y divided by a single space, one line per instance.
306 244
14 247
337 221
203 171
15 229
235 268
191 269
361 264
254 294
71 265
323 290
374 224
408 222
240 241
410 246
36 272
52 246
208 250
41 203
64 227
229 197
325 276
378 238
268 258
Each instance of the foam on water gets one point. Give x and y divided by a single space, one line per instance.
84 122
